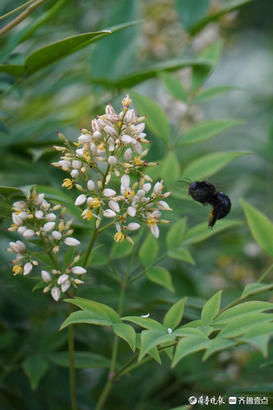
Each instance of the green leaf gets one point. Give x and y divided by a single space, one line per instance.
175 234
142 75
174 86
241 309
155 355
149 250
190 13
189 331
206 130
212 92
230 6
9 190
121 250
211 308
181 254
85 316
156 120
160 276
260 342
95 307
146 323
209 164
127 333
255 288
35 367
213 52
83 360
260 226
153 338
5 208
244 323
216 345
170 169
189 345
201 231
12 69
174 315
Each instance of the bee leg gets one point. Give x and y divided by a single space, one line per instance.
212 217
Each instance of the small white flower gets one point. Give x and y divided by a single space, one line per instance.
164 206
64 163
158 187
45 205
80 200
19 205
77 281
126 139
109 192
45 276
39 199
27 268
91 185
155 231
133 226
17 246
23 215
114 205
110 130
125 181
111 144
83 138
78 270
65 286
130 116
147 187
128 154
39 214
62 279
97 134
131 211
56 235
112 160
16 219
69 241
74 173
76 164
170 330
55 293
22 229
108 213
51 217
140 127
79 152
48 227
95 125
29 233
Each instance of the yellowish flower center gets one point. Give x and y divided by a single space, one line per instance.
95 203
67 183
129 193
17 269
138 161
88 215
101 147
119 237
151 220
76 144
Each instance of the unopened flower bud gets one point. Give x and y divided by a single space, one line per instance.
109 192
133 226
78 270
45 276
55 293
108 213
91 185
48 227
74 173
81 199
29 233
27 268
112 160
69 241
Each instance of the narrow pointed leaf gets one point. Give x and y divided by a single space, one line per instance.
95 307
121 250
35 367
175 234
161 277
201 231
127 333
209 164
216 345
211 308
174 315
190 14
174 86
244 323
170 169
149 250
241 309
260 226
255 288
145 323
212 92
84 316
189 345
206 130
181 254
83 360
153 338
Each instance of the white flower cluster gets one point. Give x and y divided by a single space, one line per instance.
36 218
114 148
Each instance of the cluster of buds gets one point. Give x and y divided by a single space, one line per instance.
118 189
37 220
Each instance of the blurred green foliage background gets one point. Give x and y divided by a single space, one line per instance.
64 96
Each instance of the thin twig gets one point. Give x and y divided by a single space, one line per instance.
10 13
22 16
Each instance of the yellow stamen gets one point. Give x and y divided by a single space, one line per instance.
95 203
151 220
67 183
138 161
88 215
130 193
17 269
76 144
118 237
100 147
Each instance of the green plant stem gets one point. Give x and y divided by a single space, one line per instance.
33 6
10 13
90 247
72 372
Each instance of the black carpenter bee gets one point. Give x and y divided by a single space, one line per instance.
205 193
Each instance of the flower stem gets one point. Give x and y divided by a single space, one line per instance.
90 247
72 373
